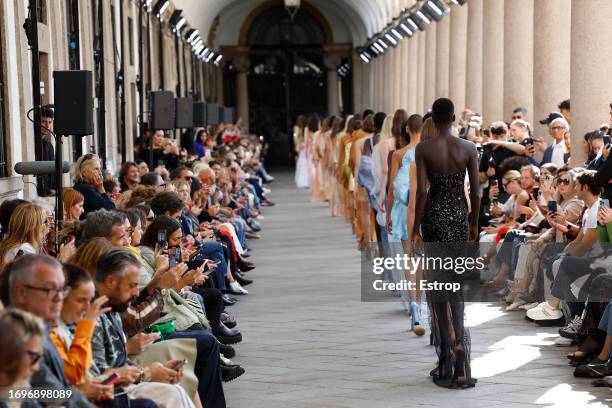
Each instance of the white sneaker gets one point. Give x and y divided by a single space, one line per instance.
544 312
563 342
259 217
236 287
224 360
529 306
266 190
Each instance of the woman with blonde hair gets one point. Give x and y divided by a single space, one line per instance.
89 182
73 204
27 229
88 253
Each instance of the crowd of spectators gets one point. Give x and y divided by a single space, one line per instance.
124 301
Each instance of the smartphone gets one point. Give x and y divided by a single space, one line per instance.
606 140
536 192
111 379
174 256
603 202
162 239
494 183
181 364
527 142
552 206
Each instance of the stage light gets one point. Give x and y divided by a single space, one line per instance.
209 57
177 21
198 48
406 30
191 35
364 57
160 8
397 34
390 39
420 14
197 42
436 9
414 23
383 44
380 49
218 59
459 2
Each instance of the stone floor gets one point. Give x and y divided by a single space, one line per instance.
310 342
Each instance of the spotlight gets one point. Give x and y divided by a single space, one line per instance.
160 7
364 57
197 42
191 37
383 44
209 57
390 39
397 34
420 19
380 49
205 51
459 2
406 30
373 50
414 23
198 48
435 8
218 59
177 21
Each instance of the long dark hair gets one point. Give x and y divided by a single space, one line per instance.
161 222
314 122
399 118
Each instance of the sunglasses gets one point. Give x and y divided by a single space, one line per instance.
516 117
563 181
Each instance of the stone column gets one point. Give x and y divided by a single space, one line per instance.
242 89
493 67
421 66
333 104
442 57
518 57
430 65
552 50
591 60
474 63
412 63
458 56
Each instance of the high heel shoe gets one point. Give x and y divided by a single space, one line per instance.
415 324
462 377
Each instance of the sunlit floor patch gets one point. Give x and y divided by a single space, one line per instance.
479 313
563 395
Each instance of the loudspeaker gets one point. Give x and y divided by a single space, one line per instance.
199 114
73 102
184 112
212 113
229 115
162 110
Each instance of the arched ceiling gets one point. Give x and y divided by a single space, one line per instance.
352 21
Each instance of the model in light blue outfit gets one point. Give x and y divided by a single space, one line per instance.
401 196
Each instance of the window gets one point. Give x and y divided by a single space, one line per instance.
72 12
41 11
3 145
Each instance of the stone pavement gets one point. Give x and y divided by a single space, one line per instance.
310 342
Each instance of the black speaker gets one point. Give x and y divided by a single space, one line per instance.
73 102
199 114
184 112
229 115
162 110
212 113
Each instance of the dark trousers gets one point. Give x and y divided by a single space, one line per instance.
213 303
207 367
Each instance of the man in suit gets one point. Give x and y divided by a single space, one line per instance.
555 152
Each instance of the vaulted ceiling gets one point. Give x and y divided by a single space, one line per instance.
351 21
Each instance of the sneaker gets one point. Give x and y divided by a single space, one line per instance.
573 329
563 342
529 306
544 312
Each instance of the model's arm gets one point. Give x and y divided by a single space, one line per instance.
474 192
392 174
411 200
421 191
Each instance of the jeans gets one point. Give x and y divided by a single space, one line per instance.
207 368
214 250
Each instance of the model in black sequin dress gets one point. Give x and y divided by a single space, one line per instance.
445 233
444 225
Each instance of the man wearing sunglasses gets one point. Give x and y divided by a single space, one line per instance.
555 153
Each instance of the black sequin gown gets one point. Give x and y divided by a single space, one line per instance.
445 230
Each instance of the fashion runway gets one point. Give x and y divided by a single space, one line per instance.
309 341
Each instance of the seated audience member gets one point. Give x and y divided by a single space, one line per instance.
129 176
89 182
27 230
73 204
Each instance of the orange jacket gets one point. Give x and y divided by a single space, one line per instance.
78 358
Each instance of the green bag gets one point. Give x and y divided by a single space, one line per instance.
164 328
